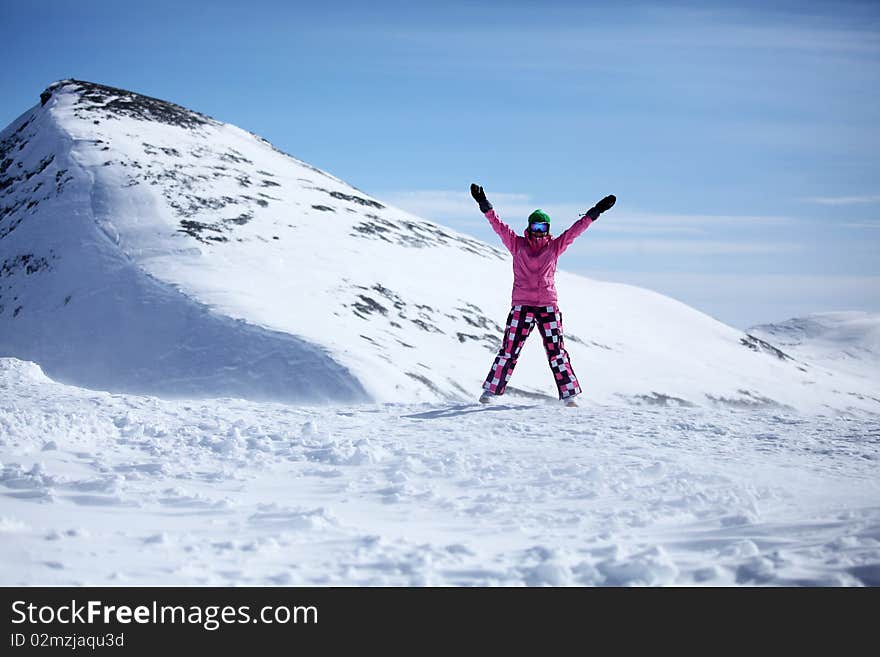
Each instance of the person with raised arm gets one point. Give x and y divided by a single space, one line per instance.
534 299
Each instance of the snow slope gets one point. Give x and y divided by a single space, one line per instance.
147 248
108 489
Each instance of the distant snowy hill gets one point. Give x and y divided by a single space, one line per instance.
845 341
148 248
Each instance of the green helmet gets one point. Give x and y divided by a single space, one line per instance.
538 216
539 223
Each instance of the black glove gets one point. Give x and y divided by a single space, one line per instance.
480 197
600 207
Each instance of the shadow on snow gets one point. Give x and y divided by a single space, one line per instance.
464 409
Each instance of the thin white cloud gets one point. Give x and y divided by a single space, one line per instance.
665 29
761 34
701 220
442 203
681 247
844 200
770 298
457 207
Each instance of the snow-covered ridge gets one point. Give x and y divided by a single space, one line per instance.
848 341
148 248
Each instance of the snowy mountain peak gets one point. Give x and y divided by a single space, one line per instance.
97 102
149 248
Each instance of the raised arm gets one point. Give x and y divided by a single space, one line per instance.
504 231
563 241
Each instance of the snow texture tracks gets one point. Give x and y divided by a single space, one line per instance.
98 488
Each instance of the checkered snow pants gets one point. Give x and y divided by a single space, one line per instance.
520 322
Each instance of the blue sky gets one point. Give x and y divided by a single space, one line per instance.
742 142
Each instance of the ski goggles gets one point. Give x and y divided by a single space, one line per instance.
540 227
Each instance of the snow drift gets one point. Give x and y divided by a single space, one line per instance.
148 248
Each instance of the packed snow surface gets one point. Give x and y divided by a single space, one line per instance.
112 489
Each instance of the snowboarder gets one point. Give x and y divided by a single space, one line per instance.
534 295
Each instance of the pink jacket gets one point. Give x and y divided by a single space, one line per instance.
534 260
